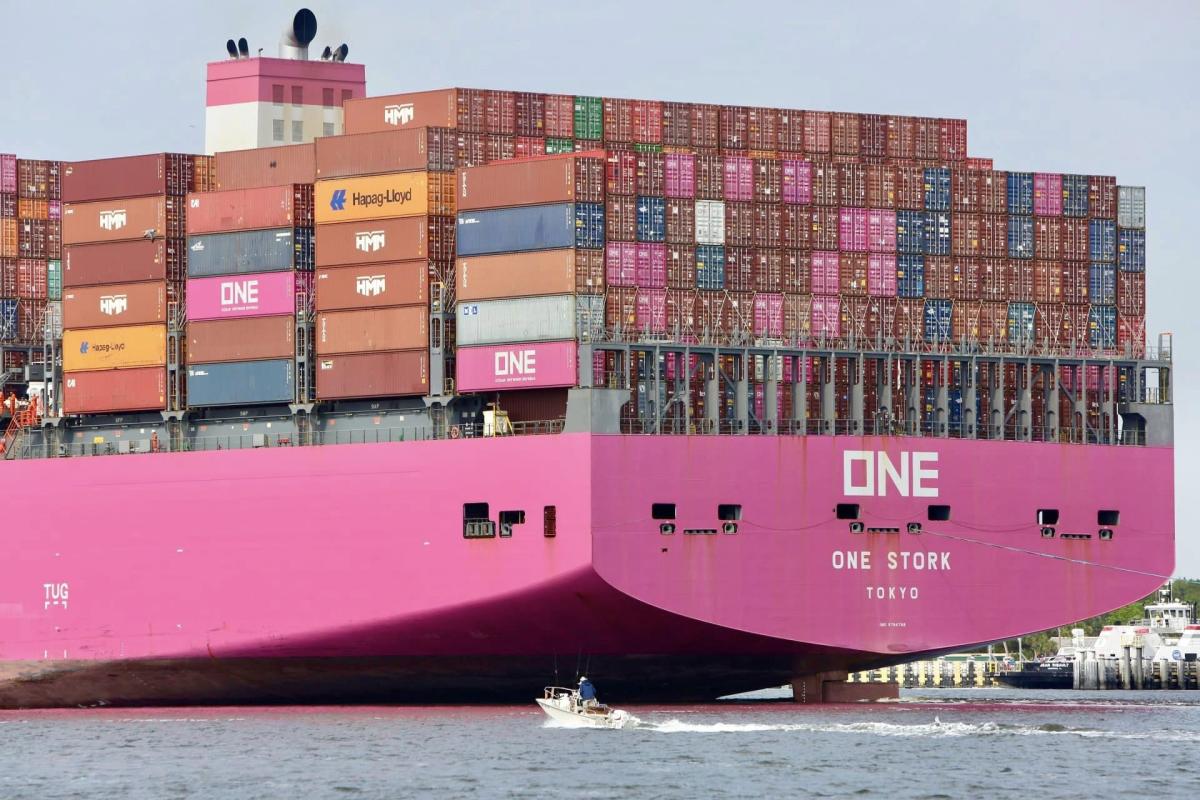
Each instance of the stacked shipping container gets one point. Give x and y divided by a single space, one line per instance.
249 274
384 225
123 277
30 253
530 270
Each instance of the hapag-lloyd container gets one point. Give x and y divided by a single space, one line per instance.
516 366
115 304
377 241
273 250
127 218
528 274
248 339
250 209
130 176
241 382
253 295
394 374
530 319
373 330
538 181
104 391
546 227
396 194
123 262
266 166
114 348
401 284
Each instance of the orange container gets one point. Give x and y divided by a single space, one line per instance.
119 220
114 348
373 330
115 304
529 274
245 339
397 194
404 283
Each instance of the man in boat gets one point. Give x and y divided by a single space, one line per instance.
587 692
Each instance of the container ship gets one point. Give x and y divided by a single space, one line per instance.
436 396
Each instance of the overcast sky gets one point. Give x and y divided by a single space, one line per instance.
1084 87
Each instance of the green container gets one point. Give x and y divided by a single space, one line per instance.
647 148
54 280
589 118
555 146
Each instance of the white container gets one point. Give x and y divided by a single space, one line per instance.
530 319
1131 207
710 222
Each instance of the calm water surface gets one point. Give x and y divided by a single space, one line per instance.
980 743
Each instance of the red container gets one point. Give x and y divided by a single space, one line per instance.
966 235
910 186
763 129
499 147
739 224
796 227
768 180
902 138
872 131
953 141
372 330
1131 293
797 271
854 269
621 174
385 151
124 262
929 138
530 146
250 209
651 177
739 269
620 309
553 179
768 225
1131 334
247 339
910 320
392 374
734 124
681 267
560 116
1047 237
109 390
791 131
1075 282
618 120
817 132
1075 239
881 185
710 177
681 221
825 272
677 124
530 114
852 185
964 191
993 322
825 184
1102 197
500 112
767 271
825 222
375 242
993 192
31 279
1047 282
965 284
131 176
1020 281
846 130
647 121
706 126
266 166
621 219
993 240
939 277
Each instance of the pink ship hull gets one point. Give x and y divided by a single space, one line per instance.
341 573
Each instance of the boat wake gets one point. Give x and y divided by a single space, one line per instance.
937 728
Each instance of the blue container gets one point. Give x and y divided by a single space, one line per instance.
1075 195
241 382
1102 240
1102 327
937 189
246 252
1020 322
1131 250
589 225
1102 284
513 230
1020 237
710 266
937 320
910 276
8 320
1020 192
937 233
956 407
651 219
910 232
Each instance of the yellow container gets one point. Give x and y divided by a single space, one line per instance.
397 194
115 348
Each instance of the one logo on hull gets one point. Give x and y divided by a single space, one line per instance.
868 473
400 114
338 201
370 285
113 220
370 241
114 304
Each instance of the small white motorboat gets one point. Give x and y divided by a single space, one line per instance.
568 709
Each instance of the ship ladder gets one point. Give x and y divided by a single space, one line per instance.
21 419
